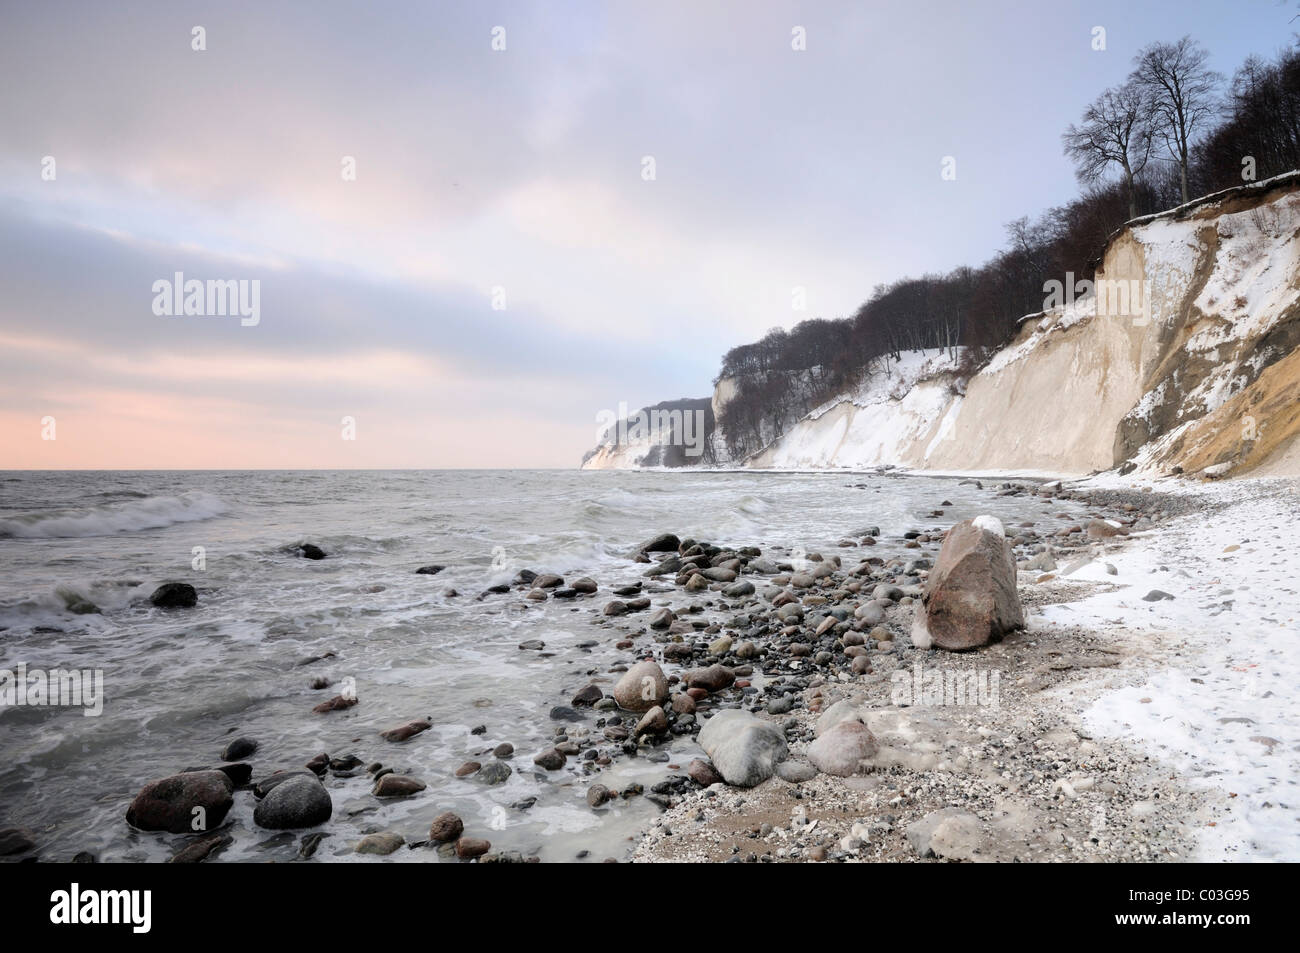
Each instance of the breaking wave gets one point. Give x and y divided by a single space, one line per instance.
108 519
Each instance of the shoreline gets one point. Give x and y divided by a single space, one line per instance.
1039 760
1041 777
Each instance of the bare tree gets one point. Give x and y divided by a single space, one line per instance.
1116 130
1182 91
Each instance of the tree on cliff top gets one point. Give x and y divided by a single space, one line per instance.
1116 130
1183 95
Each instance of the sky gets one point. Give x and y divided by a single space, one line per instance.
474 227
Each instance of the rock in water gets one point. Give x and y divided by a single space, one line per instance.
382 843
174 595
642 687
744 749
179 803
653 722
408 730
398 785
446 827
713 678
550 759
15 840
201 849
496 772
298 801
311 551
841 748
970 598
663 543
239 749
467 848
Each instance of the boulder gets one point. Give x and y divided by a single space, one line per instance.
14 841
182 804
239 749
970 597
744 749
495 772
298 801
174 595
642 687
703 773
550 759
841 749
663 543
713 678
653 722
311 551
446 827
1104 529
381 842
587 696
467 848
408 730
398 785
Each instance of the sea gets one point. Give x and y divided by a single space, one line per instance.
81 552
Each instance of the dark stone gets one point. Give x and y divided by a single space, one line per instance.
311 551
337 703
15 840
468 848
239 749
170 804
239 772
663 543
550 759
446 827
429 570
174 595
264 787
202 849
494 772
309 844
298 801
398 785
408 730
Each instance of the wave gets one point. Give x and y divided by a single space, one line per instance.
109 519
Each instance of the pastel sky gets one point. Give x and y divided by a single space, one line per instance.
496 177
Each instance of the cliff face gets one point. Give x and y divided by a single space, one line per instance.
1183 354
675 433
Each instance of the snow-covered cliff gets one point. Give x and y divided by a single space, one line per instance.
1184 353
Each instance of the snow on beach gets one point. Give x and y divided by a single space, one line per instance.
1216 703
